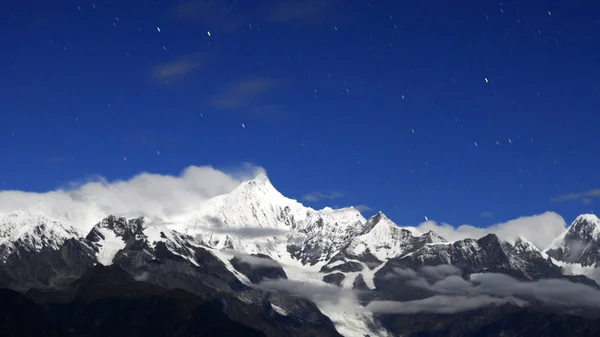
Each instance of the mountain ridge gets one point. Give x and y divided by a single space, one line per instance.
276 240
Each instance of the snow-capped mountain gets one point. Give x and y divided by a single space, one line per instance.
234 241
24 232
580 243
384 240
487 254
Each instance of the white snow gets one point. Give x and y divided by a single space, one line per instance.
369 275
279 310
335 263
573 268
35 231
225 257
348 316
591 219
109 247
256 218
385 240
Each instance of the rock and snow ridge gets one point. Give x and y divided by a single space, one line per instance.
31 232
255 218
580 243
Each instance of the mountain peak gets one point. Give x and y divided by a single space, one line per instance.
261 177
259 185
378 217
589 217
580 243
587 225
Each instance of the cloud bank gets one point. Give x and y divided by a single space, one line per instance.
541 229
455 293
439 304
320 293
147 194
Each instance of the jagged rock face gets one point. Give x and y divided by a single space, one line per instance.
359 283
258 267
381 239
255 219
334 278
580 243
487 254
22 232
168 260
346 267
120 227
47 269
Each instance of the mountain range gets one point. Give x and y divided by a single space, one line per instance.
255 263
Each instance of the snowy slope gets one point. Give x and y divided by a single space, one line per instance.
385 240
255 218
32 232
580 243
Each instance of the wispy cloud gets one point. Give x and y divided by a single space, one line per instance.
363 208
243 92
452 292
317 292
439 304
216 225
585 197
177 68
317 196
486 214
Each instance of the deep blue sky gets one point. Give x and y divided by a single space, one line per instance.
329 93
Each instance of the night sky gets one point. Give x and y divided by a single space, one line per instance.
460 111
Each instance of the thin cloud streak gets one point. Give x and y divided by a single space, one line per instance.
318 196
486 214
363 208
177 68
584 197
243 93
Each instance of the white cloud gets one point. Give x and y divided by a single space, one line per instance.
456 294
241 232
147 194
585 197
318 196
320 293
541 229
363 208
440 304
